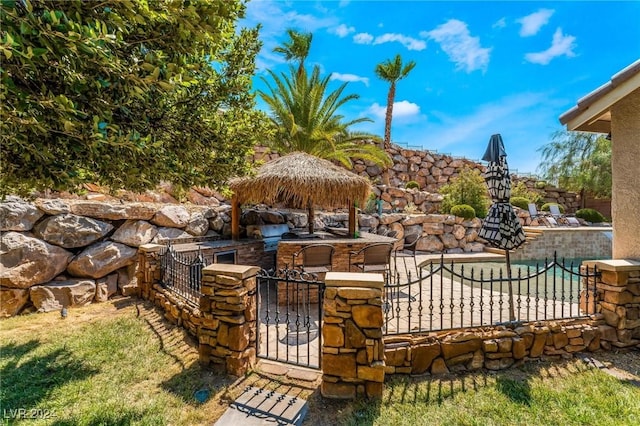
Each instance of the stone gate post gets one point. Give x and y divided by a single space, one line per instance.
352 345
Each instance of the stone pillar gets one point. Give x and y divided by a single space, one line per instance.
227 334
148 268
618 292
625 157
352 345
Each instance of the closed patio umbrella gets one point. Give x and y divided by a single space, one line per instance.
501 228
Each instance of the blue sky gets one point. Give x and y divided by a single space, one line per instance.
482 67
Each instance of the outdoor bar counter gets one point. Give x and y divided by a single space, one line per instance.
343 246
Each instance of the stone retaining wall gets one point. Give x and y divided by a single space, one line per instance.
493 348
62 253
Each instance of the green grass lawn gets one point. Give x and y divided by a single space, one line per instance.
105 365
577 395
96 368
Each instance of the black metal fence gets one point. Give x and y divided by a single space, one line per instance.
181 272
447 296
289 307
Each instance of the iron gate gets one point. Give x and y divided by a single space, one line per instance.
289 306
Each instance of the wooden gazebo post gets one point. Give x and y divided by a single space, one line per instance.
352 219
235 218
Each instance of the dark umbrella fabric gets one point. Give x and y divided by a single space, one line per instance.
501 228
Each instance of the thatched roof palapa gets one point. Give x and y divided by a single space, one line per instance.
299 180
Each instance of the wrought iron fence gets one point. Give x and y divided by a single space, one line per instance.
447 296
181 272
289 307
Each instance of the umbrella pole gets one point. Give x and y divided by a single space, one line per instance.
512 315
311 218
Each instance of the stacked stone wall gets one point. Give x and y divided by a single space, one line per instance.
63 253
492 348
352 346
227 334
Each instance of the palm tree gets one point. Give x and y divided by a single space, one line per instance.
307 120
392 71
296 48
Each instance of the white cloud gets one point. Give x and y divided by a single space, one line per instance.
342 30
463 49
363 38
561 45
270 15
531 24
401 109
408 42
500 23
349 78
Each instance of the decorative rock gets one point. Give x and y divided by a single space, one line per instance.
439 367
101 259
269 216
332 335
354 336
135 233
430 243
367 316
422 357
106 287
165 234
171 217
18 215
337 390
12 300
127 280
452 349
61 294
197 225
27 261
341 365
53 207
119 211
71 231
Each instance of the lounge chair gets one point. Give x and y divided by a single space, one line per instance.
547 220
568 220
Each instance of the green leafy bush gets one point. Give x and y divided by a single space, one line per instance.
541 184
545 207
412 184
371 205
590 215
521 202
467 188
463 210
521 190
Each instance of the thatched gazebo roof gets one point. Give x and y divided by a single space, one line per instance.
299 180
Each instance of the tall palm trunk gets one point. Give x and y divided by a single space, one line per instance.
387 119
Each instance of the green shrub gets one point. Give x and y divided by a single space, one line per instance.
463 210
521 190
412 184
590 215
541 184
371 206
467 188
545 207
521 202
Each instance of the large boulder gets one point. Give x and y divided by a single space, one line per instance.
106 287
128 280
18 215
70 231
12 300
26 261
113 211
135 233
53 206
101 259
198 225
62 294
165 234
172 217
